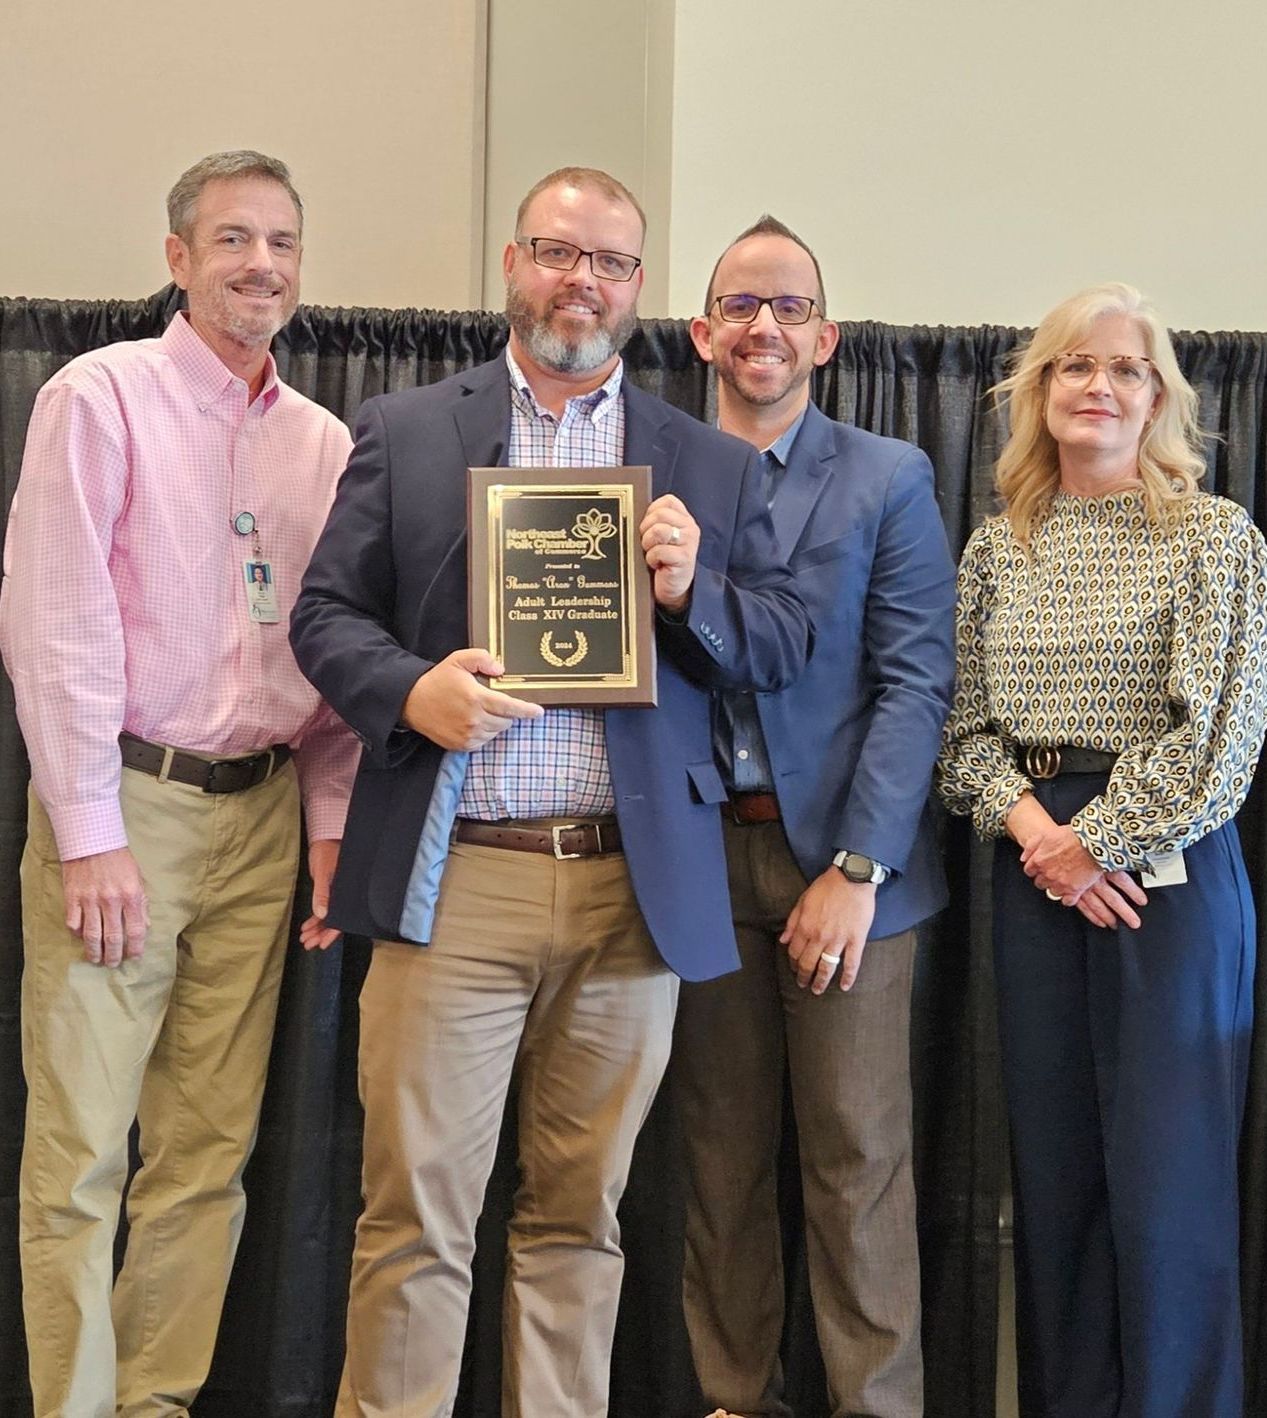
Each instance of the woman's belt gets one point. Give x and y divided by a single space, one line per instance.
1042 760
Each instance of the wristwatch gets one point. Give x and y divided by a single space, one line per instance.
856 867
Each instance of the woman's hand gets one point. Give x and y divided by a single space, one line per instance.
1106 904
1054 858
1059 863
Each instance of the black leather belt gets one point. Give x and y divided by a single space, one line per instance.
1040 760
749 808
564 841
214 775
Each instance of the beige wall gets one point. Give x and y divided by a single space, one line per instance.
977 161
378 108
582 83
951 163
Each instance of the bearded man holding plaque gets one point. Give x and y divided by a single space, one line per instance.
535 880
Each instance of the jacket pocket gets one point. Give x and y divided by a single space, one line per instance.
849 544
706 783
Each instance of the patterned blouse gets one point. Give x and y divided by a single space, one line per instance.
1113 634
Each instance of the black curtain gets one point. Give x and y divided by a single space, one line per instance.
281 1344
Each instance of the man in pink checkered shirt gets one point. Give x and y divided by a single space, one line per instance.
171 494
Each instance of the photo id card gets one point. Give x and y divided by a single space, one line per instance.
261 593
1167 870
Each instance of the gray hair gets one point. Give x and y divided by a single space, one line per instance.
182 200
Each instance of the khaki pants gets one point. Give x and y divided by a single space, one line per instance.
848 1058
536 965
179 1040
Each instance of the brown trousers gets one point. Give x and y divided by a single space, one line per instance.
543 969
179 1040
847 1054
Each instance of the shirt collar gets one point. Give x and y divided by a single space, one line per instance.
596 403
781 449
207 376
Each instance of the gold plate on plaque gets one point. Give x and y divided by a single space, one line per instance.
560 592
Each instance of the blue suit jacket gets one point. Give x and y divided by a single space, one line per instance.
385 598
853 742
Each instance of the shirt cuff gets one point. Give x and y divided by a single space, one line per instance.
326 764
989 816
1096 827
84 829
324 820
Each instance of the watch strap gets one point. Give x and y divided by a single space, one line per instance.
877 872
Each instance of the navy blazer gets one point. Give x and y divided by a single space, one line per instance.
853 742
385 598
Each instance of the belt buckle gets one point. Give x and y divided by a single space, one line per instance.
555 833
1042 761
238 773
214 769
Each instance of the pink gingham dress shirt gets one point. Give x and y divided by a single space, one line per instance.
124 604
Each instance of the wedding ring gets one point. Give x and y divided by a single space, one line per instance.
675 536
1053 895
829 959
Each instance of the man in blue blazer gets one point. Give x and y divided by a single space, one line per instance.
558 868
832 863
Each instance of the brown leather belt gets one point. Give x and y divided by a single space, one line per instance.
212 775
563 841
749 808
1042 761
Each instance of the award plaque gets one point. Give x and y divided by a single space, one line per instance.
560 591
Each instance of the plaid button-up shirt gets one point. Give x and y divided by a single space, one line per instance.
554 766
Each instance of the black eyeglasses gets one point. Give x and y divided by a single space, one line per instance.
563 256
786 309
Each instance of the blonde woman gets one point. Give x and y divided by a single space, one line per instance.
1108 716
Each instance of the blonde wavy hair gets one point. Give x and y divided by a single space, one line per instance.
1170 458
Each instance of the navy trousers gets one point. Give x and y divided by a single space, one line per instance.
1125 1056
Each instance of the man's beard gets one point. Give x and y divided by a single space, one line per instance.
251 329
554 351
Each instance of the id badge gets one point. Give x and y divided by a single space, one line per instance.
1167 870
261 592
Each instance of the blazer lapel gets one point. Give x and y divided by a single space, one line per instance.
804 479
647 439
482 415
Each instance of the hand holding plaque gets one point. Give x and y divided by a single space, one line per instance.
670 538
559 586
454 707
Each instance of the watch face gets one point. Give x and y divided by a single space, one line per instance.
858 868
